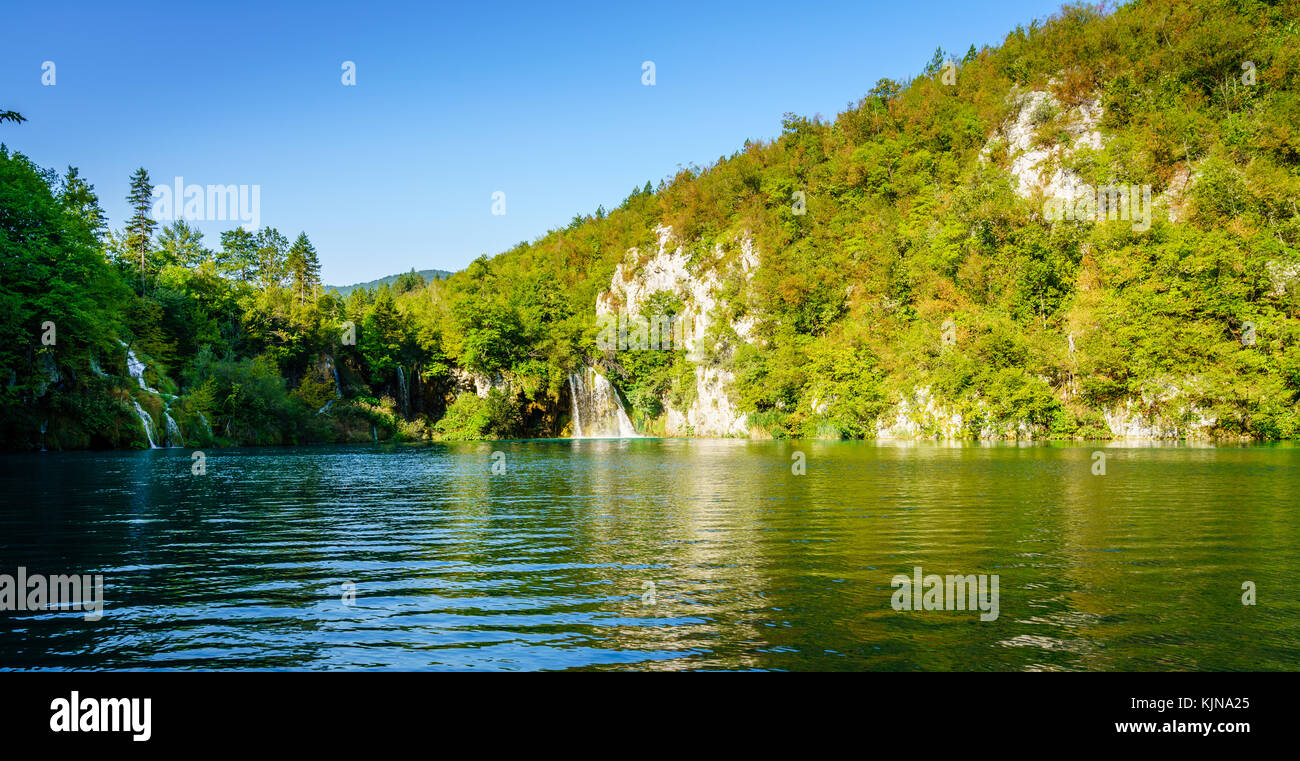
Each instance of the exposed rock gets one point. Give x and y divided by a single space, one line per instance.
712 412
1283 275
479 383
49 374
1036 168
1158 416
1176 193
920 416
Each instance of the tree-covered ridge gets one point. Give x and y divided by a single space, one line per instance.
408 280
873 229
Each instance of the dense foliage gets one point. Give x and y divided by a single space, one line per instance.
911 221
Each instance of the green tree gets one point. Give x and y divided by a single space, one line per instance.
141 225
78 196
238 254
272 250
303 267
180 243
407 281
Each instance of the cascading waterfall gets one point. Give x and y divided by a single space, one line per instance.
147 422
174 438
338 388
136 368
597 410
171 432
204 418
405 399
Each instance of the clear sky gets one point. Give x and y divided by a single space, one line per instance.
452 102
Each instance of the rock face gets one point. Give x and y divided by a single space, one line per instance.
1159 415
669 270
1036 168
712 413
1283 276
480 383
920 416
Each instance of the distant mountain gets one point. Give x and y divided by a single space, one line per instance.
344 290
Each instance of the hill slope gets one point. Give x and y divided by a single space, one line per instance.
906 270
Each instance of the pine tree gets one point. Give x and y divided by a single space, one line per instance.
142 224
313 272
79 197
303 266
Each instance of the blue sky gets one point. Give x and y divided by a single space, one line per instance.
452 102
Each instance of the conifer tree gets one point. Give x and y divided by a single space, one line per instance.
304 267
140 227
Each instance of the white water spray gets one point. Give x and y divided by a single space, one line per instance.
147 422
174 438
597 410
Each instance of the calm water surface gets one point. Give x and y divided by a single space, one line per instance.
546 565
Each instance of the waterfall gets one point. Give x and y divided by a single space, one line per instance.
95 368
597 410
415 387
204 418
333 370
45 424
136 368
405 398
147 422
172 432
338 387
174 438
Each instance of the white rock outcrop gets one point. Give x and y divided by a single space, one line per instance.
1036 168
920 416
712 413
1283 276
480 383
1159 415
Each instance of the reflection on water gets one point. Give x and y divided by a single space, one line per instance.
544 566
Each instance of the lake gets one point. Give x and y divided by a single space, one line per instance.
658 554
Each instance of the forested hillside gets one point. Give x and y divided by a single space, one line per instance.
894 270
426 275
